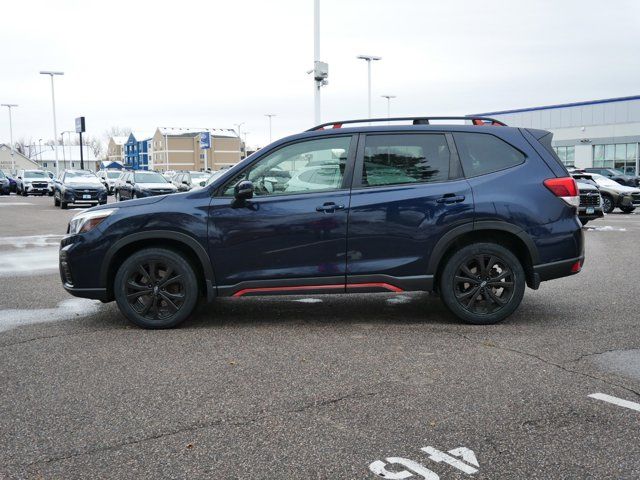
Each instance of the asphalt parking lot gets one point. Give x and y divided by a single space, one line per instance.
328 387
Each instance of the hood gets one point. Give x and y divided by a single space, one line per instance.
156 186
586 187
82 185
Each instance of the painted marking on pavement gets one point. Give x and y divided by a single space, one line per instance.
394 468
14 204
70 309
616 401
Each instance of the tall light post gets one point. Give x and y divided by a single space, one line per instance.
388 97
270 115
246 150
320 69
64 159
39 148
53 101
238 125
9 107
369 59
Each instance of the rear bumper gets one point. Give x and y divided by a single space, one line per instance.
553 270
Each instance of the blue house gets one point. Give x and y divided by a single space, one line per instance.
136 152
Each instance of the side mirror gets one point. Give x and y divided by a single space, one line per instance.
184 182
202 184
129 182
243 190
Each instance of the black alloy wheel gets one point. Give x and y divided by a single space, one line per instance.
482 283
607 204
156 288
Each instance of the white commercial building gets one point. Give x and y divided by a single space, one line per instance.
68 157
597 133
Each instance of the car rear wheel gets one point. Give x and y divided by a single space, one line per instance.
56 202
482 283
607 204
627 209
156 288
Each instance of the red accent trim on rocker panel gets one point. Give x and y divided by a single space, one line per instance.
386 286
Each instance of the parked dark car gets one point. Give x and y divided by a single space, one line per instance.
590 207
616 175
78 187
185 181
616 195
13 184
5 184
474 212
142 183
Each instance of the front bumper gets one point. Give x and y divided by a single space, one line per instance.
72 196
73 254
38 189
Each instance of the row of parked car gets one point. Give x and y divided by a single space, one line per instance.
602 190
86 187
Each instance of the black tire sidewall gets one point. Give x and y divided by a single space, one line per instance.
448 273
180 264
613 205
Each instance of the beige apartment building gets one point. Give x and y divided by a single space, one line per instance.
115 149
179 149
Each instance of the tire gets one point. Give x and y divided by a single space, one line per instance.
154 307
117 195
63 204
56 202
607 204
627 209
584 222
490 304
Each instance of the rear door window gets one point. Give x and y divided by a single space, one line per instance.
405 158
482 153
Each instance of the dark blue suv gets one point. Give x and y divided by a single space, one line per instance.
473 211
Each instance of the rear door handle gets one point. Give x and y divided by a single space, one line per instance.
329 207
449 198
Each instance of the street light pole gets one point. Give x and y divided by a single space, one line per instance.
246 150
53 101
64 159
388 97
369 59
13 161
316 59
270 115
240 137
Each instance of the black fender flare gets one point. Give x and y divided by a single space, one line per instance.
452 235
183 238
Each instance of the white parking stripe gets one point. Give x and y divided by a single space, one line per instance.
616 401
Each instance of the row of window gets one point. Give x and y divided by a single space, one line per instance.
620 155
319 164
567 155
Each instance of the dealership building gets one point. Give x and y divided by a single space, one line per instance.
596 133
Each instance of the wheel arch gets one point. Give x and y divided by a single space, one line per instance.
502 233
176 241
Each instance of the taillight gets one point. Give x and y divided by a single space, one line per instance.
565 188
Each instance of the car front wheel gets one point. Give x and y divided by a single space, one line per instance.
482 283
627 209
156 288
607 204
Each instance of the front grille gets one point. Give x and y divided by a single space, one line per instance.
636 198
161 192
589 199
79 194
39 184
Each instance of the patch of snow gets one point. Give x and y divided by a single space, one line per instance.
398 299
606 228
66 310
29 261
12 204
31 240
308 300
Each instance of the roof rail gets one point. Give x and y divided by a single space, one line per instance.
475 120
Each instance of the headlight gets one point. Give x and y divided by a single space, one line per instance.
83 222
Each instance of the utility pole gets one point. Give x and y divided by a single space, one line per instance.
53 101
388 97
320 69
369 59
246 149
13 160
270 115
238 125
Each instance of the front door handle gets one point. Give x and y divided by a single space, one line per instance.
449 198
329 207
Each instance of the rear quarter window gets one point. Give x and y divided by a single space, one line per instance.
482 153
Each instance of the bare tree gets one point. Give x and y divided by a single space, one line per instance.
94 143
116 131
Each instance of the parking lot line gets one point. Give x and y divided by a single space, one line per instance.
616 401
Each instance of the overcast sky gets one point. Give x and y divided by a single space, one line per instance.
144 64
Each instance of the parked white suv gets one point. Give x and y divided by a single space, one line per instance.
31 182
108 179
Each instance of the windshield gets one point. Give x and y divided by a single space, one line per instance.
214 175
149 177
35 174
198 177
81 177
113 174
